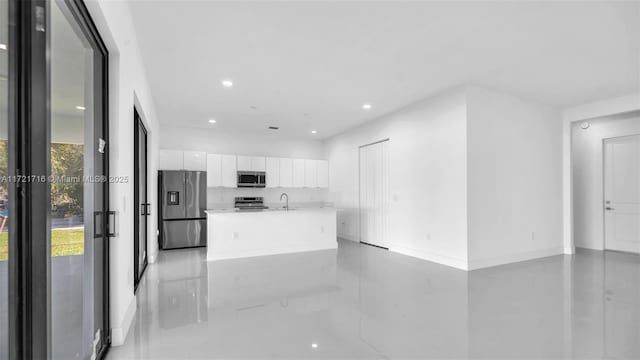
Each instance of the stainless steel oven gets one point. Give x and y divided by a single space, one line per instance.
253 179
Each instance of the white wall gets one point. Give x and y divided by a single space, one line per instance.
515 181
428 178
256 144
607 107
588 175
127 86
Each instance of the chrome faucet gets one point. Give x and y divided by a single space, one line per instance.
287 196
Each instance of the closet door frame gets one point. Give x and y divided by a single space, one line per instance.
385 184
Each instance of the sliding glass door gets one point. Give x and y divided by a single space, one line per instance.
53 207
78 155
4 189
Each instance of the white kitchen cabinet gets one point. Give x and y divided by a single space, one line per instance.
251 163
273 172
286 172
310 173
323 174
229 171
171 160
298 173
244 163
195 160
258 163
214 170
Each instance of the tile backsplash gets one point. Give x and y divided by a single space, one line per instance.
223 198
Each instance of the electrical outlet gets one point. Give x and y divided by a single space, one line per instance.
236 235
428 236
533 236
322 229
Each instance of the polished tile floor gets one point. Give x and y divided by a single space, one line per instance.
360 302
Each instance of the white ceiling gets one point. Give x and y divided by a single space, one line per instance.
311 65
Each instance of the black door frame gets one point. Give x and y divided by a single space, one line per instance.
137 125
29 160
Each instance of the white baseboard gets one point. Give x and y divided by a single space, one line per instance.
433 257
119 335
569 251
513 258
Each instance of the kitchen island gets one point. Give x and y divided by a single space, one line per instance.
233 234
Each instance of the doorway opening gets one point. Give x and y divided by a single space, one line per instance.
605 155
141 199
374 193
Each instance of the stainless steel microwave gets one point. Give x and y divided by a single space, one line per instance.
253 179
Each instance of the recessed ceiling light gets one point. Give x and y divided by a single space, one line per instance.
585 125
212 121
366 106
314 345
314 132
227 83
80 107
3 46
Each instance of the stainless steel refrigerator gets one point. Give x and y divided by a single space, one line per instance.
183 200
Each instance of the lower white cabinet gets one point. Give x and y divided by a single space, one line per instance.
229 171
273 172
298 173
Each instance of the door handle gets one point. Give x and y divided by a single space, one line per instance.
111 223
97 224
147 208
609 208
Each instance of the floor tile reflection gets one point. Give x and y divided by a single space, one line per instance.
361 302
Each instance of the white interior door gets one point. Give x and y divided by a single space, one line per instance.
374 194
622 194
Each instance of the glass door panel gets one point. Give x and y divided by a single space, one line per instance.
76 191
4 189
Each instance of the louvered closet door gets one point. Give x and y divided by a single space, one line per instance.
374 193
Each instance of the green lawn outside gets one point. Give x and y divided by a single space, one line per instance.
64 242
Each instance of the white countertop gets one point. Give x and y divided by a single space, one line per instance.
266 211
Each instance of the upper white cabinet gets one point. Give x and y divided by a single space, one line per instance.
244 163
183 160
258 163
222 169
286 173
229 171
251 163
310 173
214 170
195 160
171 160
323 173
298 173
273 172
